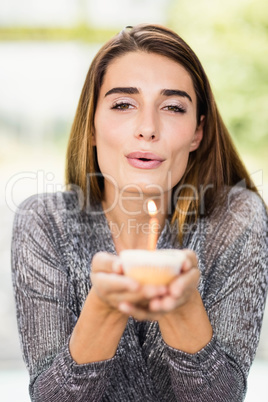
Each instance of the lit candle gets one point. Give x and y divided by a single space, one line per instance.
153 225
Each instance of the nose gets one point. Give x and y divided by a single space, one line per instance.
148 127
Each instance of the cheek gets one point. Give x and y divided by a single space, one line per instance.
181 131
180 141
106 134
108 130
179 157
108 142
180 150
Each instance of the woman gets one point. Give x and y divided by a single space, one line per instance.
146 126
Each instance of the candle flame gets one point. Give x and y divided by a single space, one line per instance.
151 208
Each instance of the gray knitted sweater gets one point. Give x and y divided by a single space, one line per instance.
53 244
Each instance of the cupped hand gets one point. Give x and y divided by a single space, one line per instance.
112 287
178 293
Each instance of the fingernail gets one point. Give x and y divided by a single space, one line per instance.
149 292
163 289
123 307
133 286
116 266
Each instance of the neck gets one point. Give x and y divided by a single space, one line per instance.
129 219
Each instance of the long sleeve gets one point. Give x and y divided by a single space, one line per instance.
53 245
45 316
233 251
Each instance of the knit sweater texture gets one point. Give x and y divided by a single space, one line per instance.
53 243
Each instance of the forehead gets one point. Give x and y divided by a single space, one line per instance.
144 70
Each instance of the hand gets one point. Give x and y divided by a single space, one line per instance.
113 288
179 293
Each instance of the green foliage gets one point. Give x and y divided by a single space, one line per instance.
80 32
231 40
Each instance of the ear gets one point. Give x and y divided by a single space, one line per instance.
198 135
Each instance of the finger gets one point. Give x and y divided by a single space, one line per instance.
117 267
151 291
110 286
138 313
140 297
189 280
191 260
103 262
111 283
121 288
127 297
164 304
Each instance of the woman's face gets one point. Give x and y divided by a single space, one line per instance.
145 123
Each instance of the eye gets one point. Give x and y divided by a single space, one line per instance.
122 106
174 108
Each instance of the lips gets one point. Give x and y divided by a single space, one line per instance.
144 160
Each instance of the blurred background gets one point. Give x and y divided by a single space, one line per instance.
45 51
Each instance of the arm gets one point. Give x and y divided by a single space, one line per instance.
181 315
230 304
233 286
70 354
188 327
98 317
45 316
88 342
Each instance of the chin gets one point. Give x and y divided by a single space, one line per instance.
148 188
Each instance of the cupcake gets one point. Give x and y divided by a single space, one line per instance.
157 267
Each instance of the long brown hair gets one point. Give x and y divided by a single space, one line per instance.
212 167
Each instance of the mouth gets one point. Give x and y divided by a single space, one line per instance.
144 160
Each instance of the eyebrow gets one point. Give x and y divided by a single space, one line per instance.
133 91
176 92
123 90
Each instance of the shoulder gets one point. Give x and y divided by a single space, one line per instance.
242 208
246 200
234 238
48 211
61 213
49 203
238 220
43 219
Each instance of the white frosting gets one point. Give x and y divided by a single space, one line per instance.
159 258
